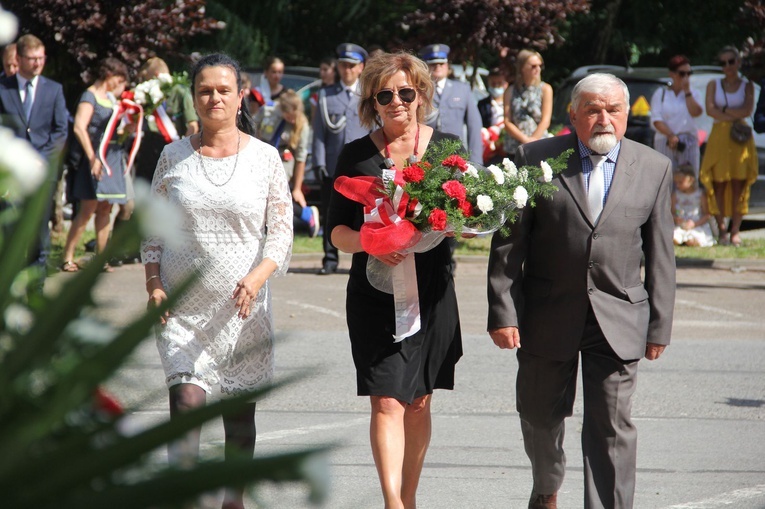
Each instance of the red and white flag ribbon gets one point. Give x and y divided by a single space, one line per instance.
165 124
124 109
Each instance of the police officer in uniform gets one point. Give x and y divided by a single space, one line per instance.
336 123
455 110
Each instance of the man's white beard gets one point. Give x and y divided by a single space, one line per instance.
603 143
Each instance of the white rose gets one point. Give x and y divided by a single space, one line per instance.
8 27
547 173
140 96
164 78
19 159
510 169
520 196
484 203
497 174
156 94
471 171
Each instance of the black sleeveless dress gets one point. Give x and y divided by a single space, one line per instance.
425 361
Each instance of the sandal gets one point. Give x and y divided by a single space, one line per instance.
69 266
735 240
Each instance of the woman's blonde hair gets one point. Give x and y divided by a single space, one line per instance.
151 68
290 102
379 69
520 61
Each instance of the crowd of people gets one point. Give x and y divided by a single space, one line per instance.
235 169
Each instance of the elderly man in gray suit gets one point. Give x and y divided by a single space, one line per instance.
336 123
567 283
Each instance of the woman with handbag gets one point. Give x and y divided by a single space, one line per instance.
730 164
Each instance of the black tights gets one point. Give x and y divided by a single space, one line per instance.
239 432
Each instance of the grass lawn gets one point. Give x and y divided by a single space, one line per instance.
479 246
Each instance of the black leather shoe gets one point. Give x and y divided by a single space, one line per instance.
328 268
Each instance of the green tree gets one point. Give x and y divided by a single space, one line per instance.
79 33
649 32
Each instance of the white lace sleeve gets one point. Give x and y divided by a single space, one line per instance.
151 247
278 246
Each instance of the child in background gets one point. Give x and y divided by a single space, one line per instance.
690 210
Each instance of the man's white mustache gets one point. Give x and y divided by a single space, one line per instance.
606 130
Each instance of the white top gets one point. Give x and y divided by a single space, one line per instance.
225 232
671 108
735 99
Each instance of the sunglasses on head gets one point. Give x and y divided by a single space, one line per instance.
407 95
684 74
730 61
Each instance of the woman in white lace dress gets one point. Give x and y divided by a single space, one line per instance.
236 233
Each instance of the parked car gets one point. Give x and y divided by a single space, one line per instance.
642 82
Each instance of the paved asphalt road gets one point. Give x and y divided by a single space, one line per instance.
700 409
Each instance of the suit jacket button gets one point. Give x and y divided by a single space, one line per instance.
591 264
595 235
590 291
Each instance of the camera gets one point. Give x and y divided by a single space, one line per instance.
680 146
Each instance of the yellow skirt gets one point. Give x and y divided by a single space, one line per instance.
725 160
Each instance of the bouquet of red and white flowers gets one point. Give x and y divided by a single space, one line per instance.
444 193
413 209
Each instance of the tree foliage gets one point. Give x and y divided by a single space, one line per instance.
474 27
79 33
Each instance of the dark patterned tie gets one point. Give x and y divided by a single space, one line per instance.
28 100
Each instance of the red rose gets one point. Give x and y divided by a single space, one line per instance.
128 94
467 208
454 189
413 174
437 219
455 161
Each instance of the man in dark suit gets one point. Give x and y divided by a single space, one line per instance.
33 106
336 123
455 109
567 283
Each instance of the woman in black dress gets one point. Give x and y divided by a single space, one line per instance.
399 378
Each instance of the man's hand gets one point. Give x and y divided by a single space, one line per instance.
653 351
506 337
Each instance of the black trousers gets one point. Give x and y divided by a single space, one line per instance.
330 252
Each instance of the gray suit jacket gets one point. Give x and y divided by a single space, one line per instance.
556 263
457 109
327 144
47 126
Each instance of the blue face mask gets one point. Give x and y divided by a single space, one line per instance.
496 91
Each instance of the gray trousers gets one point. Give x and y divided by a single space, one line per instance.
545 397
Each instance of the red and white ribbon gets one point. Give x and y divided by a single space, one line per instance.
165 125
124 109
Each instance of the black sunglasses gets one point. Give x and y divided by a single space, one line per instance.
684 74
730 61
407 95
